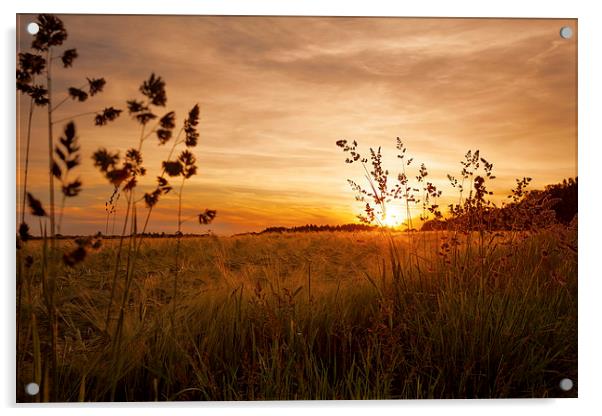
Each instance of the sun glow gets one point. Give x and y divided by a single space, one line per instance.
394 217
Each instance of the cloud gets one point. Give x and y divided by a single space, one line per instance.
276 93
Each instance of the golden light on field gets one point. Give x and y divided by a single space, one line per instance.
276 94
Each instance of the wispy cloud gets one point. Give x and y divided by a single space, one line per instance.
275 93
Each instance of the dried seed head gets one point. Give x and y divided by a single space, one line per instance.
154 90
208 216
51 32
35 206
68 57
108 114
24 232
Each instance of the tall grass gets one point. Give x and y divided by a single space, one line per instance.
246 327
35 78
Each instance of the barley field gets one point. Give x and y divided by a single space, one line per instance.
365 315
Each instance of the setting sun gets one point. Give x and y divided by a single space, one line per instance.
394 217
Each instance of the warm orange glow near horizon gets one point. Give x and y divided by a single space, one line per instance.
276 93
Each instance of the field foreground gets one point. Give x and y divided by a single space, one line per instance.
368 315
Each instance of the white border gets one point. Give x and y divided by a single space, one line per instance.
590 275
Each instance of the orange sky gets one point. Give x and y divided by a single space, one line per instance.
276 93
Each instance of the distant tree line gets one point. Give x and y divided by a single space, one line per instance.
317 228
529 210
110 236
565 196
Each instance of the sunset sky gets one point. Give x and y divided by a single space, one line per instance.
276 93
